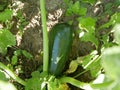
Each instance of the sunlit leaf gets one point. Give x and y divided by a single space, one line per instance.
6 86
87 24
116 30
6 15
2 76
111 62
76 9
7 39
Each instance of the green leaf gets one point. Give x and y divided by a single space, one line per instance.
116 30
6 86
14 60
90 36
76 9
6 15
53 85
7 39
17 52
91 62
82 11
2 76
116 87
111 62
33 84
94 67
27 54
115 18
87 24
89 1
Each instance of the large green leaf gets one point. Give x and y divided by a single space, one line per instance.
7 39
6 86
88 24
111 62
116 30
91 62
76 9
6 15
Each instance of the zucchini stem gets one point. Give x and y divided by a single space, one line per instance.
11 74
45 37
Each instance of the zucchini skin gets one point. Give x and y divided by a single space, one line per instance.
60 41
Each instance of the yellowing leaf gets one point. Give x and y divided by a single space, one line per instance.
73 67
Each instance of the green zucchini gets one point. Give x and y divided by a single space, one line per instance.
60 41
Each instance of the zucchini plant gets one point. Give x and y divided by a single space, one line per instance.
56 48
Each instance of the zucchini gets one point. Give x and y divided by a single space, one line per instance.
60 41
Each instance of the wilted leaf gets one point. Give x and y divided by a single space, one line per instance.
72 67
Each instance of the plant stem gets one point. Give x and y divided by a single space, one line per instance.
45 37
11 73
72 81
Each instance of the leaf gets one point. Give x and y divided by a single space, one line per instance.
2 76
76 8
111 62
82 11
33 84
53 85
115 18
72 67
62 87
116 30
36 82
17 52
88 24
14 60
27 54
6 86
91 62
89 1
90 36
95 67
116 87
7 39
6 15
